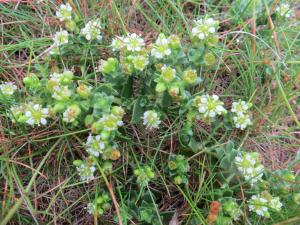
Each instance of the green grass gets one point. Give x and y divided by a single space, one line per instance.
40 185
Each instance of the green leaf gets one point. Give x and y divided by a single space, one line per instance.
137 111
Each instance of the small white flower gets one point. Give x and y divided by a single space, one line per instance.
204 28
117 43
92 30
110 122
242 121
161 47
86 171
64 12
261 203
134 42
240 107
8 88
61 93
210 106
36 115
140 62
249 165
151 119
168 74
284 10
61 38
94 145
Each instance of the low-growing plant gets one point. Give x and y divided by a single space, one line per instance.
149 86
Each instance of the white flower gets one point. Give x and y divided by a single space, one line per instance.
140 62
91 208
61 93
168 74
151 119
94 145
161 47
110 122
64 12
92 30
204 28
117 43
54 50
61 38
8 88
240 107
36 115
134 42
249 165
284 10
71 114
242 121
210 106
86 171
261 203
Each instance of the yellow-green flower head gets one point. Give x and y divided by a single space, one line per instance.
190 76
140 62
174 41
61 78
151 119
36 114
240 107
168 74
7 88
174 90
92 30
61 38
261 203
64 12
249 165
242 121
83 90
95 145
210 106
118 111
285 10
61 93
86 169
204 28
108 66
110 122
117 43
134 42
144 175
161 47
71 113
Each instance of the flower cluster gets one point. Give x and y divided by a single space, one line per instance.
209 106
7 88
204 28
86 169
99 205
261 203
64 12
151 119
241 117
249 166
71 113
144 175
92 30
160 48
284 10
178 167
30 113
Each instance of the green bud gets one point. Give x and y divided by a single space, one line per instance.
71 26
118 111
174 91
296 198
31 81
22 119
109 66
83 91
172 165
177 180
160 87
209 59
59 107
174 41
67 77
189 76
105 135
77 162
89 119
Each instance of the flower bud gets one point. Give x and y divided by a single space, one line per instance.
109 66
160 87
84 91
